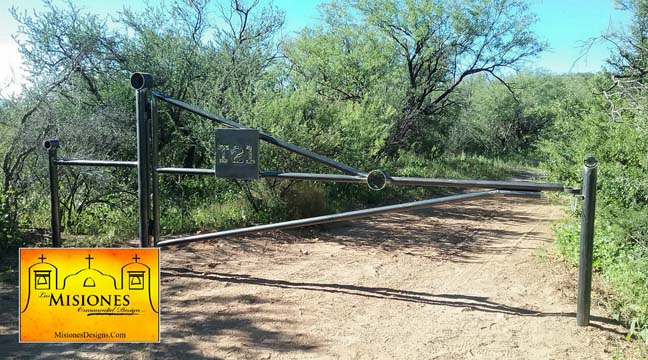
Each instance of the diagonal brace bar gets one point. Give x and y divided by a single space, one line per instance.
348 215
265 137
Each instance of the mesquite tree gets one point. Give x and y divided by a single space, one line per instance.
416 52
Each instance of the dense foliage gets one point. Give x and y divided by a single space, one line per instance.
612 123
621 230
419 88
374 81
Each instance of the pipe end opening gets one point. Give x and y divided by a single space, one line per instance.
140 80
50 144
590 161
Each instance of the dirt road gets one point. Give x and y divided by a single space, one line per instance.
474 280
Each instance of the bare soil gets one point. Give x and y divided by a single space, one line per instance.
471 281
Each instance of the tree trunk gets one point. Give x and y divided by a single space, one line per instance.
400 135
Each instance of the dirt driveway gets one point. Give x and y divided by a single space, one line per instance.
473 280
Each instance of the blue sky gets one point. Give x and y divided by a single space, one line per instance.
564 24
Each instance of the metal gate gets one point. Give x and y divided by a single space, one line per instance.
237 157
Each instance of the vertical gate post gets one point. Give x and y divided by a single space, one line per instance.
155 186
141 82
586 241
52 146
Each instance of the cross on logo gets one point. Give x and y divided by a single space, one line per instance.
89 258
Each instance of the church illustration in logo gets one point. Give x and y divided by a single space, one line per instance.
89 295
91 287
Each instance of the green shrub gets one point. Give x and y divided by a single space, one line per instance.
621 228
306 199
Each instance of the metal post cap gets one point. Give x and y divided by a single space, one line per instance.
590 161
140 80
51 144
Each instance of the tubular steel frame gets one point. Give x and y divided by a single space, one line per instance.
148 171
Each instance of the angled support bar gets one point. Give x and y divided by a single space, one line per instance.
348 215
265 137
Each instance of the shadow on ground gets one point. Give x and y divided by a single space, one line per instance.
473 303
200 326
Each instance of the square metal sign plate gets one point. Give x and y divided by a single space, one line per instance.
237 153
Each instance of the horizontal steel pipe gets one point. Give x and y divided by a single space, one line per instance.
265 137
314 177
96 163
482 184
501 185
185 171
348 215
271 174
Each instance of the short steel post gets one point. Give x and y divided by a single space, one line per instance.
586 241
141 82
52 146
